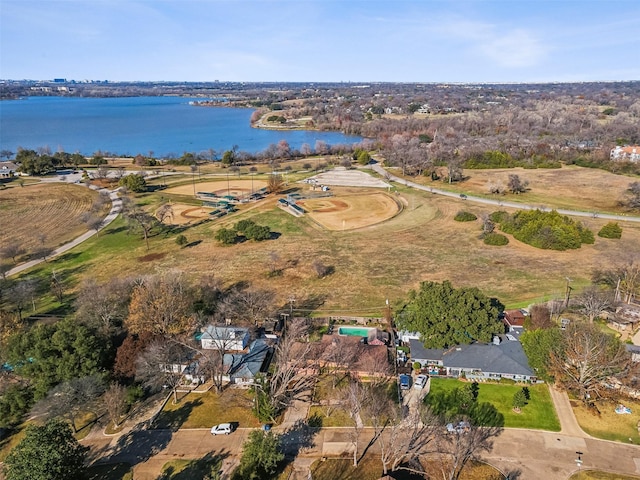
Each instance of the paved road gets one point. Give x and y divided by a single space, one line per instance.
525 454
501 203
116 208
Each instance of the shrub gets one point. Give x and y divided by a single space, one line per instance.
417 365
496 239
181 240
610 230
226 236
135 182
498 217
547 230
465 217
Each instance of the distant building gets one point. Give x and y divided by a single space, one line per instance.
629 153
7 169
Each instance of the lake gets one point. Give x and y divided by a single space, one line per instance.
132 125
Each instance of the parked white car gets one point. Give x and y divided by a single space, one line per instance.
222 429
421 381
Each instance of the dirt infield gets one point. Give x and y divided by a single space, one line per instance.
183 214
234 187
342 177
351 211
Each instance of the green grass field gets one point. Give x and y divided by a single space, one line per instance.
203 410
539 412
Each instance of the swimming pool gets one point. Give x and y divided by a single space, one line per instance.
365 332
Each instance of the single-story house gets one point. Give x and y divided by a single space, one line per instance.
345 352
8 169
513 319
242 368
227 338
630 153
503 358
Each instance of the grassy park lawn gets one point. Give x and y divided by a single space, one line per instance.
608 425
539 413
203 410
598 475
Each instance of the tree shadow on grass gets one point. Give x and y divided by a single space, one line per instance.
174 419
208 466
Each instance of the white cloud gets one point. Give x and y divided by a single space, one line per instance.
514 49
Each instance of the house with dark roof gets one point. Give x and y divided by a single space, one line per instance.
503 358
242 368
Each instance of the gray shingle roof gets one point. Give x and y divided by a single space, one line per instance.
506 358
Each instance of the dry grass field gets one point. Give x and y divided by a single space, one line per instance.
351 209
386 259
53 209
379 261
569 187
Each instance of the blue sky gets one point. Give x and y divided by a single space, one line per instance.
321 40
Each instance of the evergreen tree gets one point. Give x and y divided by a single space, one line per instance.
48 452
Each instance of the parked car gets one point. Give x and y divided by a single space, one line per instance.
405 382
222 429
421 381
461 427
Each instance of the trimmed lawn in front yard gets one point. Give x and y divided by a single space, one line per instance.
205 467
607 424
539 413
203 410
338 416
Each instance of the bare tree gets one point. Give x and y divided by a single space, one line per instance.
248 304
540 317
516 185
408 438
588 358
161 365
275 183
137 217
291 379
165 212
67 399
22 293
593 302
463 444
355 399
12 250
104 305
57 285
115 401
320 268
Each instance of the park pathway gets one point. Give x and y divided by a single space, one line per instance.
116 208
501 203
